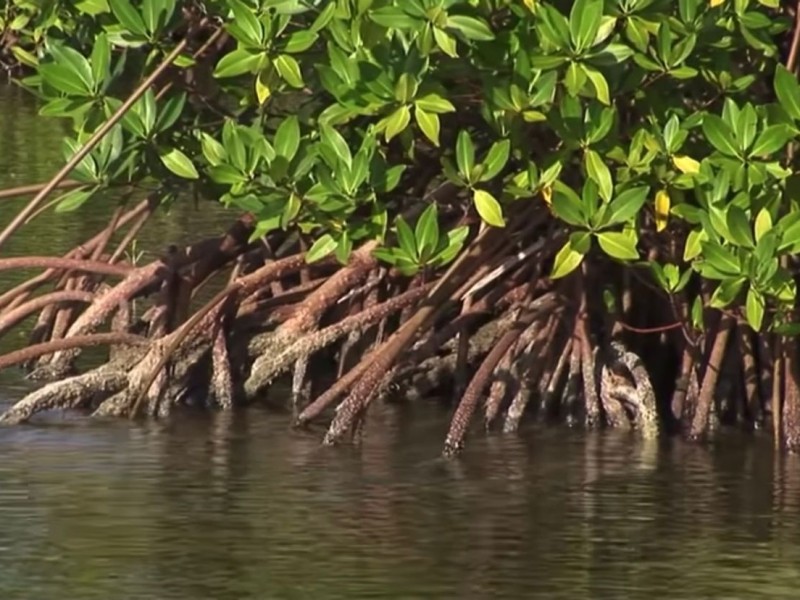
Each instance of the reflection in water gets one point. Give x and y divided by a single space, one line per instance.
240 506
232 506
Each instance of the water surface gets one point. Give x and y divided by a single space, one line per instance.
235 506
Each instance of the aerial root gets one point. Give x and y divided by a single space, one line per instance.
74 392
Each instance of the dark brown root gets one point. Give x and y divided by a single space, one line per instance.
530 373
791 397
469 402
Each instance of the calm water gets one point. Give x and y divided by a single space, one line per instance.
239 506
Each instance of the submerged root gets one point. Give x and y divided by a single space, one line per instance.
75 392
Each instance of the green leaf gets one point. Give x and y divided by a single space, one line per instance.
763 223
568 207
321 248
213 151
455 241
471 28
618 245
73 199
289 70
426 232
434 103
726 292
489 208
128 16
334 140
567 260
101 58
694 242
739 227
287 138
496 159
772 139
397 122
720 259
600 174
754 308
428 124
180 164
406 88
584 22
465 154
245 26
300 41
62 79
446 42
393 17
406 238
626 205
170 112
719 134
236 63
599 82
787 88
226 174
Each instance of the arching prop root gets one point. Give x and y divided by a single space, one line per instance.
75 392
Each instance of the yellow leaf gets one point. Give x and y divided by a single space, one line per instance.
714 3
262 89
686 164
530 4
547 195
662 210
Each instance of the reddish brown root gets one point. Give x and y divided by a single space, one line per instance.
710 378
11 318
82 341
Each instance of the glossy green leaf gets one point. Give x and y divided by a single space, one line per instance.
726 292
626 205
771 139
287 138
600 174
584 22
566 261
434 103
322 247
471 28
289 70
180 164
426 232
489 208
236 63
465 153
397 122
618 245
406 238
754 308
739 227
787 88
128 16
428 123
719 134
496 159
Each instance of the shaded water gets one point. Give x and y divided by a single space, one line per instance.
238 506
